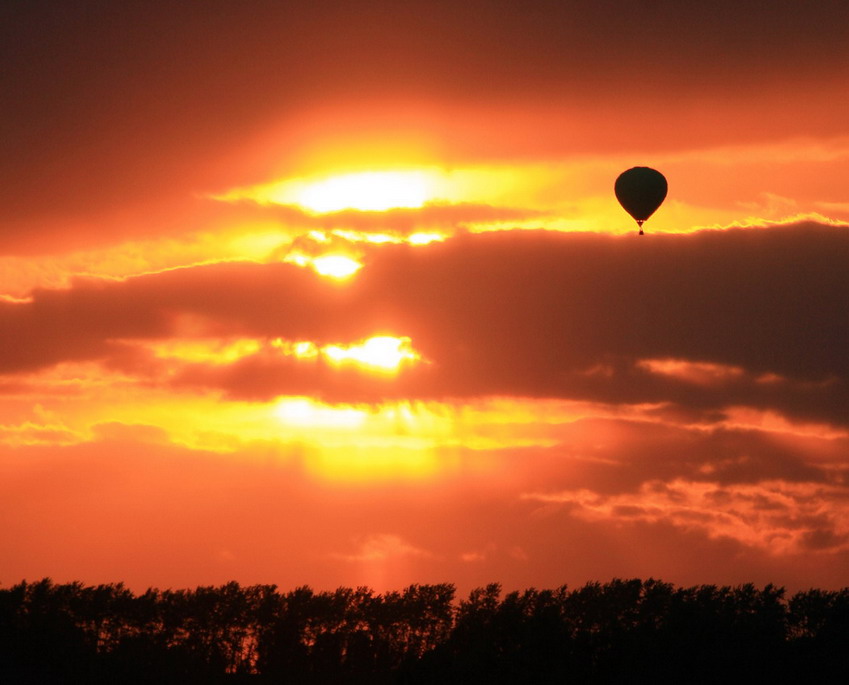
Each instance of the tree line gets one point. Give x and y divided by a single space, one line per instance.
622 631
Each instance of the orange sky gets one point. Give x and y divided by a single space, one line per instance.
340 294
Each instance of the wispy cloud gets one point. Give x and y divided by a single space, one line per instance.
776 516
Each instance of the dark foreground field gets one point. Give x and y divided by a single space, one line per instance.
624 631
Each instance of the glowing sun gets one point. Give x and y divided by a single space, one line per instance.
367 191
373 191
336 266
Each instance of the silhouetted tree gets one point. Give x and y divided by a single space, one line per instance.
819 627
623 631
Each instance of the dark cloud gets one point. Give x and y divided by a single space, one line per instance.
824 538
613 457
519 313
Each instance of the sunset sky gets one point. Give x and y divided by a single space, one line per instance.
339 293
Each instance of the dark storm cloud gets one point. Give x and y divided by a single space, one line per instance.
520 313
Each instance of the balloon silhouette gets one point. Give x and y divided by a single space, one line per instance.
640 191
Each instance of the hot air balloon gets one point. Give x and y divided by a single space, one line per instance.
640 191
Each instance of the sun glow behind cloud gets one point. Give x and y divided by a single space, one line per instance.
366 191
335 441
370 190
336 266
381 353
305 412
376 190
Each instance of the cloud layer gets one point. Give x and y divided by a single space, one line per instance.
749 317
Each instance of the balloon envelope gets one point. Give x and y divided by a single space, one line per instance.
640 191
